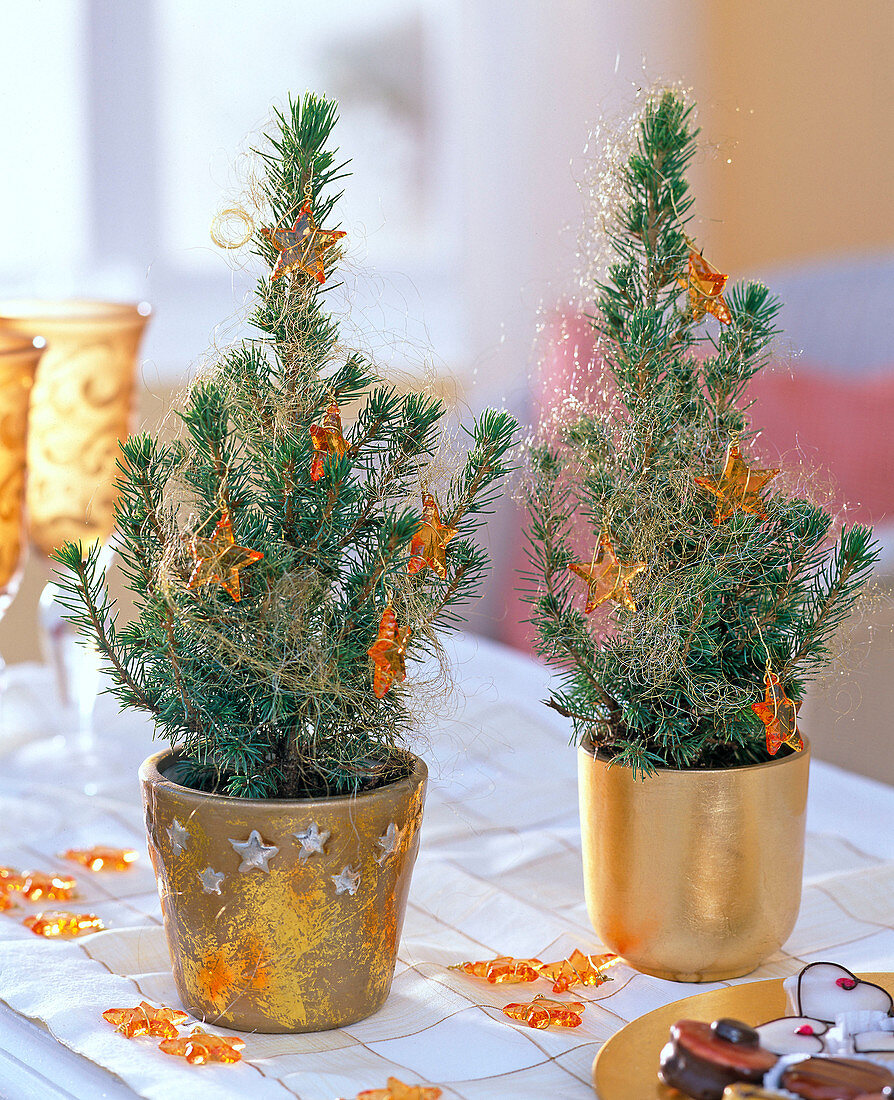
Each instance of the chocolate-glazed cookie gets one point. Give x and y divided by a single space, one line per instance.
702 1059
836 1079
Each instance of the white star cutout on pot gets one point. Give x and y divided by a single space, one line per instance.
255 853
346 881
178 836
211 880
311 840
388 842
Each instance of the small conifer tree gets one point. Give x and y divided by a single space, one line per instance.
724 590
283 565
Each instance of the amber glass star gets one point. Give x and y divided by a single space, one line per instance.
302 247
389 653
606 577
100 858
428 547
397 1090
199 1047
145 1020
738 488
543 1012
779 715
705 285
327 439
218 559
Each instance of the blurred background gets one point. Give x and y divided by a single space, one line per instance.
467 123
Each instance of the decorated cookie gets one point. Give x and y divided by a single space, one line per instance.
793 1035
835 1079
702 1059
825 991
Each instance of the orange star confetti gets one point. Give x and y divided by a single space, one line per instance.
6 902
428 547
779 715
102 859
161 1023
36 886
54 924
327 439
302 247
738 487
578 969
397 1090
502 969
705 285
200 1047
218 559
11 879
542 1012
389 653
606 577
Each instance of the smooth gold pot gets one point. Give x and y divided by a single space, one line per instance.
264 930
694 875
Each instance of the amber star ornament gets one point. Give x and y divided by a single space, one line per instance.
738 488
302 247
145 1019
389 653
327 439
428 547
705 285
779 716
606 577
218 559
200 1047
397 1090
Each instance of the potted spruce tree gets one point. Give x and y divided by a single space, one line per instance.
685 620
288 555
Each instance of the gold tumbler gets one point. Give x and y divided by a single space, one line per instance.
694 875
82 405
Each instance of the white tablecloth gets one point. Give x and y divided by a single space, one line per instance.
499 873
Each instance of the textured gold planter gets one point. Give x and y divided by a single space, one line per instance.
694 875
282 915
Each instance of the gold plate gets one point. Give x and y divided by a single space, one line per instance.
626 1068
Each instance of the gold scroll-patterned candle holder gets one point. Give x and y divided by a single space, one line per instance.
81 406
18 363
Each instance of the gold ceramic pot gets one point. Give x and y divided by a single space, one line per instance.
282 915
694 875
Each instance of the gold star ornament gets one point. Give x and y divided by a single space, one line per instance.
327 439
738 488
705 285
779 716
218 559
302 247
389 653
428 547
606 577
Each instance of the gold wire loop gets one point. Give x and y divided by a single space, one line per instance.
217 225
